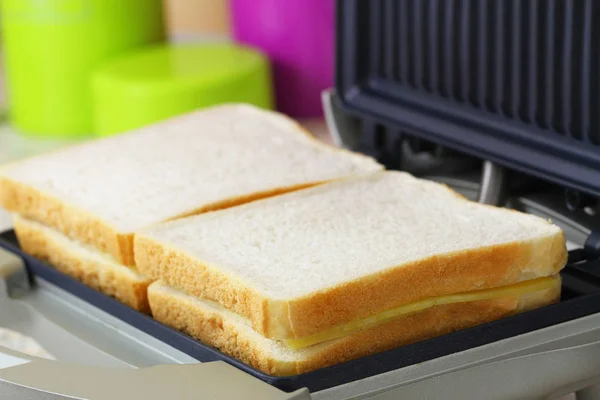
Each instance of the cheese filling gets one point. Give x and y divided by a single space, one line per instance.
340 331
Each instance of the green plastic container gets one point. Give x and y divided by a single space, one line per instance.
52 46
154 84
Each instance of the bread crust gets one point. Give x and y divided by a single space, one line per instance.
183 272
457 272
183 313
76 224
118 281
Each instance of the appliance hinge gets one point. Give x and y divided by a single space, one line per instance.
591 249
14 279
587 259
493 184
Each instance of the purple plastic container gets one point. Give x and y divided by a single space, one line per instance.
298 37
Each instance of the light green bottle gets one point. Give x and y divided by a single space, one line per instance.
51 47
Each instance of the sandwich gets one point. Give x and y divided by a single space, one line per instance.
331 273
78 208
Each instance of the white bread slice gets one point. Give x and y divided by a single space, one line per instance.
101 191
234 336
83 263
301 263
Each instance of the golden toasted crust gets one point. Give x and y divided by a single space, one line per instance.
213 328
118 281
72 222
92 230
458 272
183 272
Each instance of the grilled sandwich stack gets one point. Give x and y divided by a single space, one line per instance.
236 227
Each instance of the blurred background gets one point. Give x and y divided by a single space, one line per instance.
73 70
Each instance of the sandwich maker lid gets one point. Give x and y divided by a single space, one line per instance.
512 82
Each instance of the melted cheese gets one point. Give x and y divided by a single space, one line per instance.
516 290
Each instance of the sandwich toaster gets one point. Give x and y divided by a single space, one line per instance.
498 99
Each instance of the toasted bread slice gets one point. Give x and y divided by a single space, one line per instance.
84 263
302 263
100 192
233 335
